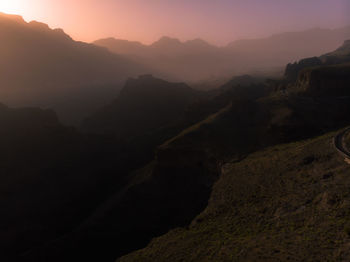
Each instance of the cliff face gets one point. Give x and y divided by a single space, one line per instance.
325 81
339 56
292 70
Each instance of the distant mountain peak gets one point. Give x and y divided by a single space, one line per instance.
15 18
198 42
166 41
142 80
39 25
119 41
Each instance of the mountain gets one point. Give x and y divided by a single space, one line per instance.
197 60
45 67
328 74
281 193
53 178
339 56
175 60
248 171
143 105
280 49
41 185
213 167
287 202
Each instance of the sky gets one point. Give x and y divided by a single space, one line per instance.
217 21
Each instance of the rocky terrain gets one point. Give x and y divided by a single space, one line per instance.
279 203
247 172
285 203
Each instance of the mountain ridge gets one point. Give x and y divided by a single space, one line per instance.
195 60
72 77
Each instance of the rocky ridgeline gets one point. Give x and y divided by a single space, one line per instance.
339 56
328 80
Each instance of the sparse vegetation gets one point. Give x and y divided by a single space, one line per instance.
272 206
166 172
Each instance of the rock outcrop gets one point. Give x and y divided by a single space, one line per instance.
325 80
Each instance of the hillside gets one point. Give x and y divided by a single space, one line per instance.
271 202
166 154
45 67
175 187
340 56
143 105
52 177
326 80
285 203
196 60
327 75
39 181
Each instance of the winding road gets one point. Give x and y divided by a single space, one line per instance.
339 143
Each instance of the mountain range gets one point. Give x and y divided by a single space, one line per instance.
225 168
45 67
196 60
159 171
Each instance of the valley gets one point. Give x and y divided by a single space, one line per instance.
177 150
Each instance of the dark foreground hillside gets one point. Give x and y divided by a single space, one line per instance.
285 203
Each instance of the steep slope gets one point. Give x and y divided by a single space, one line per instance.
40 185
272 213
120 46
288 202
196 60
172 189
52 178
166 193
143 105
327 75
339 56
44 67
333 80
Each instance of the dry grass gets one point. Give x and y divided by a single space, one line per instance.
285 203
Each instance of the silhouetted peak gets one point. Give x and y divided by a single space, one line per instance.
146 77
166 41
144 80
113 40
58 32
15 18
242 81
198 42
38 25
149 85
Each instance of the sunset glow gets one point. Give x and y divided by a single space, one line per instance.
11 7
218 22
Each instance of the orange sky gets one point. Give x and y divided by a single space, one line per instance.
218 21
